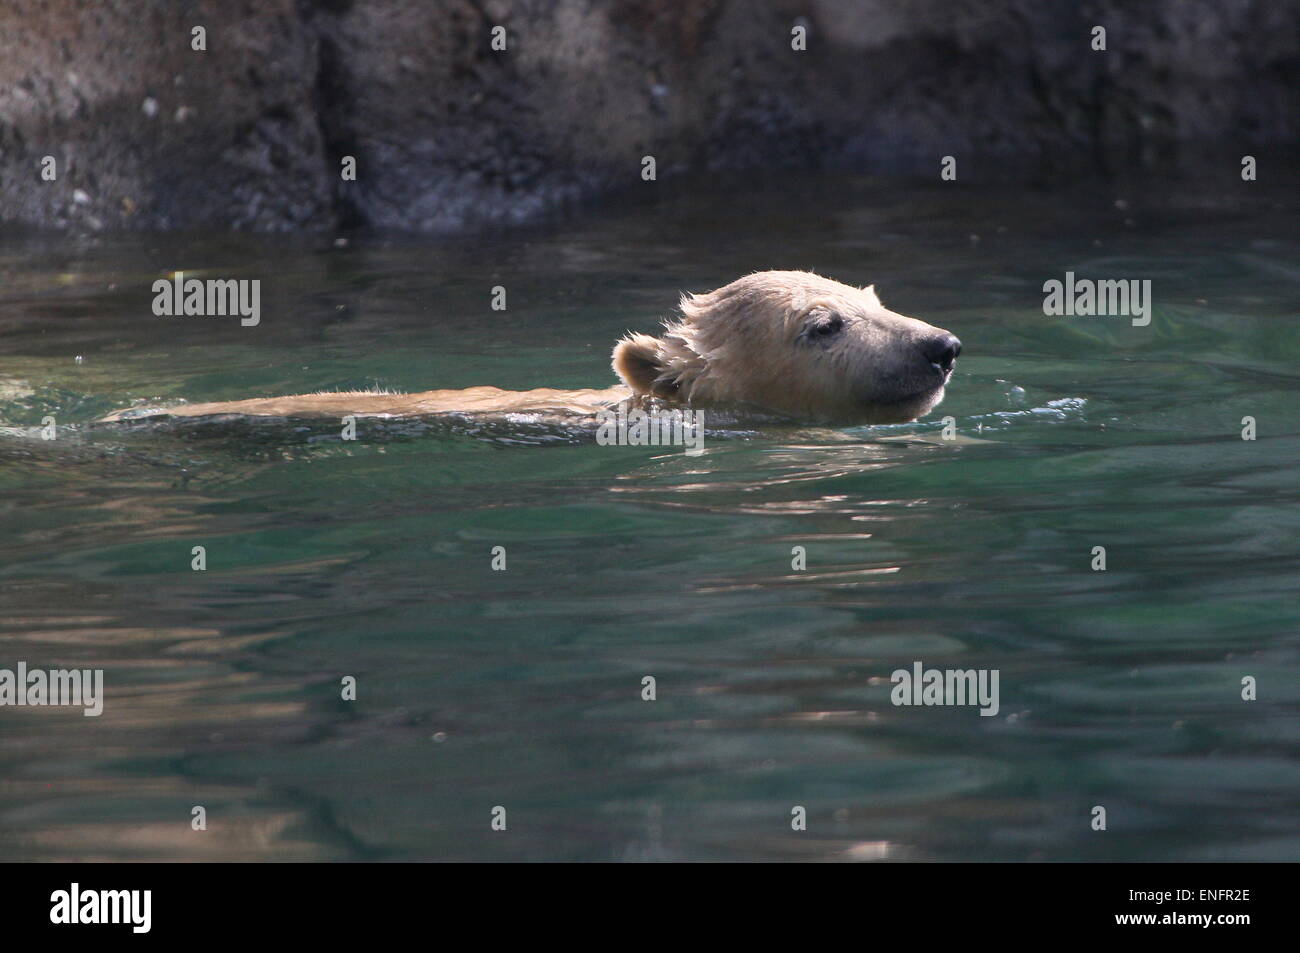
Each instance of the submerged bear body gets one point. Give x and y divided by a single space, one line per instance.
471 400
790 343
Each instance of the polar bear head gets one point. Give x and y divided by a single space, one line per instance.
795 343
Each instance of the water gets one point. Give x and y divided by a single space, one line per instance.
522 688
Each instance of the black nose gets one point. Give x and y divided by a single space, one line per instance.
942 351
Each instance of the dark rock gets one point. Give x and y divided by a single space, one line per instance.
157 134
448 133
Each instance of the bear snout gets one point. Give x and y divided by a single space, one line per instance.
942 352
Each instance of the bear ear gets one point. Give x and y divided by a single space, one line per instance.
636 361
870 292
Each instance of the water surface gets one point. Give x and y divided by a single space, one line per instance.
522 688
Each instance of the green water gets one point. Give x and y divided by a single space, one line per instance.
522 689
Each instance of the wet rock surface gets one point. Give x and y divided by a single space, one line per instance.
448 133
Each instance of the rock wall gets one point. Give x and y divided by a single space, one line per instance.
447 133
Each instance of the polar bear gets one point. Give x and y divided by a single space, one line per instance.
790 343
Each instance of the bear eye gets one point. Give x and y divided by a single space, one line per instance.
824 326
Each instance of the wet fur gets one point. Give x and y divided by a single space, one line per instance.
749 344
